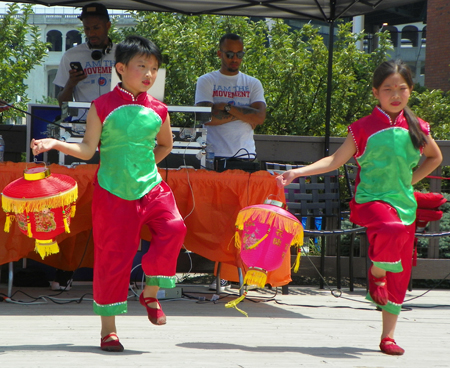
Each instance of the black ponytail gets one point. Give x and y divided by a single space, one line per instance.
418 137
387 68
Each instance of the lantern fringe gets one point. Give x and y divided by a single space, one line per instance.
46 247
256 277
20 205
234 303
8 223
271 218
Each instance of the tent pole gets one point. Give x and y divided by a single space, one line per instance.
329 89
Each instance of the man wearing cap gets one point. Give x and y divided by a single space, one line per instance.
96 57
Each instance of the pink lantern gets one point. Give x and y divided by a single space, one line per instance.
264 234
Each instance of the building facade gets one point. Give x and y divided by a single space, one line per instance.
438 48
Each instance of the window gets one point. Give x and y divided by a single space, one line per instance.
73 38
55 38
410 36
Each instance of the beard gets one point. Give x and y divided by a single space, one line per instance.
233 70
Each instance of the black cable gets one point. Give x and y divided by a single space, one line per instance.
339 295
248 154
72 133
70 281
426 292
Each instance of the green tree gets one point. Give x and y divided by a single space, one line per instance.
434 107
292 66
21 50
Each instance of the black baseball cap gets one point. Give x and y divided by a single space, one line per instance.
96 9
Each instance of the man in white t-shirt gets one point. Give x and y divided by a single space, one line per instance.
96 57
238 107
237 101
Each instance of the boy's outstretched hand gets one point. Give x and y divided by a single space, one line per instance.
41 145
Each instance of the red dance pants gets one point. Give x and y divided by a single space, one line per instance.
116 228
390 241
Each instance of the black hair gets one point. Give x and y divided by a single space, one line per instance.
136 45
383 71
229 36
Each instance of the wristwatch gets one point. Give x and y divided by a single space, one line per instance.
227 108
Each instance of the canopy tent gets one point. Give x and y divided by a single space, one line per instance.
324 10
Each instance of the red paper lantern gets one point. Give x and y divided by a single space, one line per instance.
264 234
42 204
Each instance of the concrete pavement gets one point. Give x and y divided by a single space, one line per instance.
307 328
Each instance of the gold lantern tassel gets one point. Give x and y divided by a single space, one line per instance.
72 210
29 233
297 261
259 241
46 247
7 223
66 225
234 303
298 240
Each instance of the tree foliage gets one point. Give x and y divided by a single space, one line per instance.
291 64
433 106
21 50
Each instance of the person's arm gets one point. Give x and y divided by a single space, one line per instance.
433 159
326 164
255 114
164 141
204 97
66 93
84 150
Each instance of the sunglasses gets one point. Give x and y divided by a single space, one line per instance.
230 54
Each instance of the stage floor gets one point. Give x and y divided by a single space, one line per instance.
307 328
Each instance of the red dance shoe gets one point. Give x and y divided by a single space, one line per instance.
155 315
390 349
112 345
379 293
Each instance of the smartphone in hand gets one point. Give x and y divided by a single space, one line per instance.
76 65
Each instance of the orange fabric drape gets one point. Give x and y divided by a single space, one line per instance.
209 202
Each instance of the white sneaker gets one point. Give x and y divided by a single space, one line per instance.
223 285
55 286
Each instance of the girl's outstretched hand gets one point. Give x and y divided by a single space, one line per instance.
285 178
41 145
